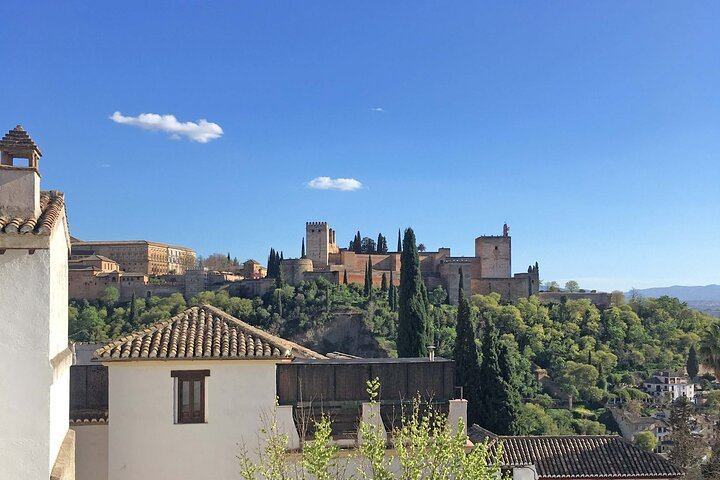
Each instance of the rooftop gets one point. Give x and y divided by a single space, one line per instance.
579 456
201 333
52 204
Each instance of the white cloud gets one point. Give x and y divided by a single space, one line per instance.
104 165
202 131
378 109
327 183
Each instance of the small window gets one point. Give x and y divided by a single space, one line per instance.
190 399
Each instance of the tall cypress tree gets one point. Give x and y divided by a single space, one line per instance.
271 264
357 244
345 282
379 246
413 332
693 366
302 251
399 248
497 399
133 306
383 283
467 362
365 284
370 278
391 293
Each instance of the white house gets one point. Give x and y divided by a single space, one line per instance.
185 392
673 383
35 443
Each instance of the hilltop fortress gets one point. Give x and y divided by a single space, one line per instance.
488 271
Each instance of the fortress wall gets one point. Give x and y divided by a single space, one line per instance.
508 288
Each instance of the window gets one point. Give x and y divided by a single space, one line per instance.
190 399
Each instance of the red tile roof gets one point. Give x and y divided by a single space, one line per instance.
201 333
583 456
52 205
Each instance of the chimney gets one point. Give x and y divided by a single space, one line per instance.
19 184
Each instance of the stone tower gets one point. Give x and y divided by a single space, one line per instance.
320 242
494 254
35 383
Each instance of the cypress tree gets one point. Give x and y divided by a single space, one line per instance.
391 293
693 366
228 257
281 258
497 400
383 283
399 248
379 246
370 278
412 338
302 251
279 279
365 284
271 264
345 282
467 362
131 315
357 244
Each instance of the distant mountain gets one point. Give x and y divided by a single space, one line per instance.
707 293
705 299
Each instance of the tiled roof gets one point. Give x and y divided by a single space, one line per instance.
52 204
17 140
205 333
584 456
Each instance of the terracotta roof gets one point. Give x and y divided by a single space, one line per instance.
17 141
52 204
205 333
584 456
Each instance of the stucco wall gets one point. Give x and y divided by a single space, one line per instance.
58 337
26 378
143 440
33 331
91 451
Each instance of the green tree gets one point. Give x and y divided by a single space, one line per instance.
572 286
345 280
645 440
710 349
302 249
497 400
412 338
693 366
465 353
392 294
399 246
110 296
711 469
686 450
383 283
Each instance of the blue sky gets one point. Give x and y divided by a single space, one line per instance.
592 128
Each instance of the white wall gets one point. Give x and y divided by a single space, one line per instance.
91 451
33 330
26 377
57 332
143 440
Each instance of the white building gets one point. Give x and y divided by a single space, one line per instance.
185 392
34 383
673 383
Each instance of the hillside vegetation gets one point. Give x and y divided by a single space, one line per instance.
592 355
